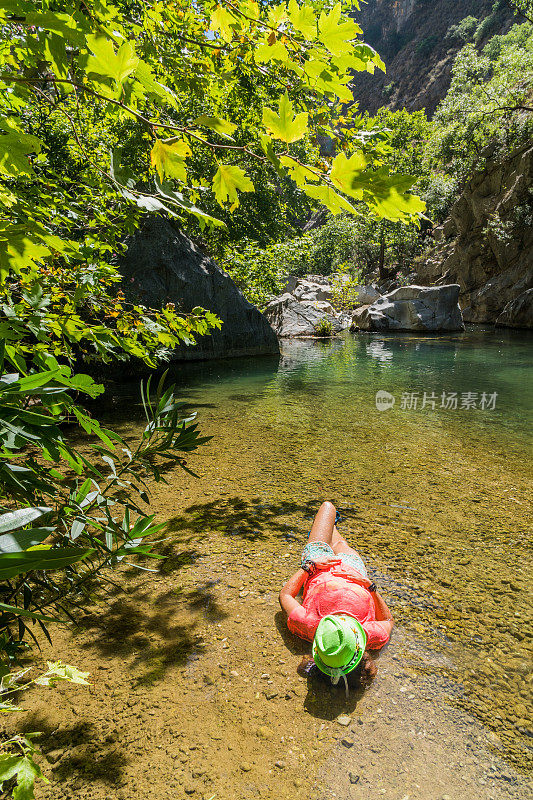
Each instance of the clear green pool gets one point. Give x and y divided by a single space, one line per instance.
436 499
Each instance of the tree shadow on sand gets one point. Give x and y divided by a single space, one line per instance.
252 520
143 631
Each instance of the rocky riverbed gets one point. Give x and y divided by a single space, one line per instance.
195 690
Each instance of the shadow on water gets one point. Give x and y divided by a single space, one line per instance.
86 755
142 625
323 700
251 520
293 643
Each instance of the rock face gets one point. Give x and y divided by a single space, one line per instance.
486 244
413 308
306 290
367 294
414 38
289 317
163 265
518 313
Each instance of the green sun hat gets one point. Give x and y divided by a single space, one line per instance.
339 644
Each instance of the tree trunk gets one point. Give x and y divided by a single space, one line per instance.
382 271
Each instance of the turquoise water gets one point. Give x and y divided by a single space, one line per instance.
345 375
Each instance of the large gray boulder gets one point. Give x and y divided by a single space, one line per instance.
518 313
162 265
308 290
360 320
290 318
366 294
413 308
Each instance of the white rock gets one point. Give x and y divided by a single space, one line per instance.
290 318
415 308
344 720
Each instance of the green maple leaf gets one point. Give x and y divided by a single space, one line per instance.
57 671
14 150
145 76
345 170
169 159
300 173
303 19
224 22
9 765
329 197
334 34
361 58
277 15
221 126
284 125
109 64
26 774
268 150
330 83
227 180
397 206
18 253
267 52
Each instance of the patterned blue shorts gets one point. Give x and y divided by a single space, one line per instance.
320 552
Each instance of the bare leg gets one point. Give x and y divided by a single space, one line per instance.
324 523
340 545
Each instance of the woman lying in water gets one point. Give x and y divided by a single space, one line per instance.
341 611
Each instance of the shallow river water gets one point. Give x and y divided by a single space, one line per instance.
195 673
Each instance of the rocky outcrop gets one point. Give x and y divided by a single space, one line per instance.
415 39
305 302
518 313
367 294
289 317
486 244
413 308
306 290
162 265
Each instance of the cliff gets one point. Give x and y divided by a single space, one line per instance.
486 244
417 41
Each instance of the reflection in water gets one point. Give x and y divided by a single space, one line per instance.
378 350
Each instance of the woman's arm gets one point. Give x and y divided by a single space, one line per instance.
290 590
382 610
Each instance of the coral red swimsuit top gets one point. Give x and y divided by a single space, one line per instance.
335 589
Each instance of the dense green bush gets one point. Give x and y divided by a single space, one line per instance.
324 328
258 272
485 104
464 30
492 22
425 46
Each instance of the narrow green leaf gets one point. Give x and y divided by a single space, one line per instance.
5 608
22 516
